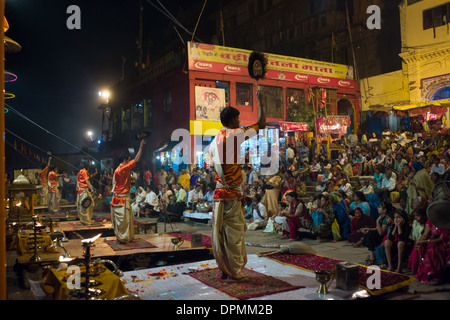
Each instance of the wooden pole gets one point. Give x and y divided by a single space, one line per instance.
3 295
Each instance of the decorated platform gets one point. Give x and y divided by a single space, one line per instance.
268 279
110 247
76 229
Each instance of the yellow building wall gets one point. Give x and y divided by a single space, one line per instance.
413 34
426 53
426 61
384 89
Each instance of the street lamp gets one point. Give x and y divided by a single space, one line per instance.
90 134
104 106
104 94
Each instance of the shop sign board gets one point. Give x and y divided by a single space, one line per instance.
294 126
233 61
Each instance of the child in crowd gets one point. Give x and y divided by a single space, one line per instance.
397 241
281 223
418 225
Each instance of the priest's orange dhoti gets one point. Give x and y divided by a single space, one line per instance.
122 217
229 226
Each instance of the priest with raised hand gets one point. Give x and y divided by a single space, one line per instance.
228 219
85 202
122 217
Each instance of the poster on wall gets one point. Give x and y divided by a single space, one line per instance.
209 102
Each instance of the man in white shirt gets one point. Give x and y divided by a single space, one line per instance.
379 159
437 167
346 187
367 188
290 153
209 196
387 184
151 203
352 139
315 168
259 214
253 177
195 195
139 201
327 175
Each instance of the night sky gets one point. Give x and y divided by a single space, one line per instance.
60 71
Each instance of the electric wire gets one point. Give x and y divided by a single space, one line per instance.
35 146
198 20
173 19
47 131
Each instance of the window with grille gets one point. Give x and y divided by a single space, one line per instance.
273 100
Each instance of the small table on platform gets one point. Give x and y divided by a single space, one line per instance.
145 226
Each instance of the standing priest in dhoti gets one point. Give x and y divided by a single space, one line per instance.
52 182
228 219
122 216
43 177
85 202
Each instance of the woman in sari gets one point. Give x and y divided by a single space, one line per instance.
378 176
340 212
359 222
323 219
296 214
430 255
289 184
359 200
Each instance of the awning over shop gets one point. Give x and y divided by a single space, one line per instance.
438 108
168 146
387 107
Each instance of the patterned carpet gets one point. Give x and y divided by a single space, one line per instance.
256 284
76 225
389 281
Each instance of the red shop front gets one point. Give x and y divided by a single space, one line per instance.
294 90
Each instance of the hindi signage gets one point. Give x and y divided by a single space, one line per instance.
294 126
218 59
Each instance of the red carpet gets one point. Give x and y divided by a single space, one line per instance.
256 285
133 245
76 225
390 281
206 240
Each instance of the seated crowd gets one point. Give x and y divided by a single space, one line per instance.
168 195
383 209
